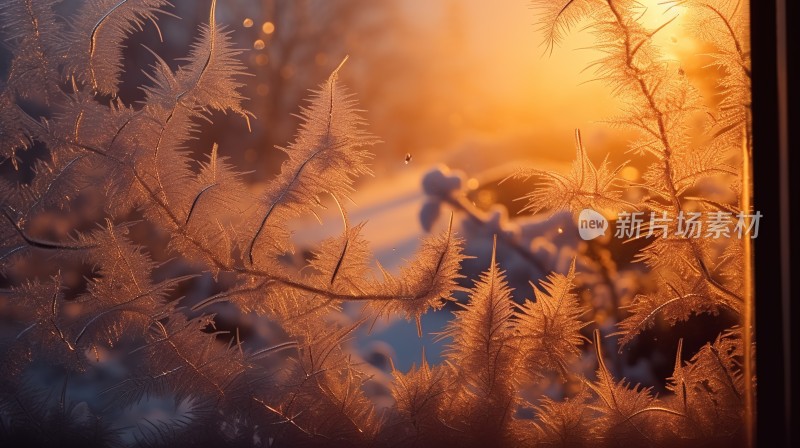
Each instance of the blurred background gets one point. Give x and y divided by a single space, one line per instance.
461 93
442 80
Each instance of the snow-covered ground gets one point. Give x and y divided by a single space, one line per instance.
392 206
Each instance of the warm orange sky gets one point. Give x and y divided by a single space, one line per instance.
493 82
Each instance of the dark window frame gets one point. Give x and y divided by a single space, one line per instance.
774 38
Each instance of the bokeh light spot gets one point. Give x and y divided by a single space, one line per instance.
630 173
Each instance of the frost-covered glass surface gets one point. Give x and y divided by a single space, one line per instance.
476 259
